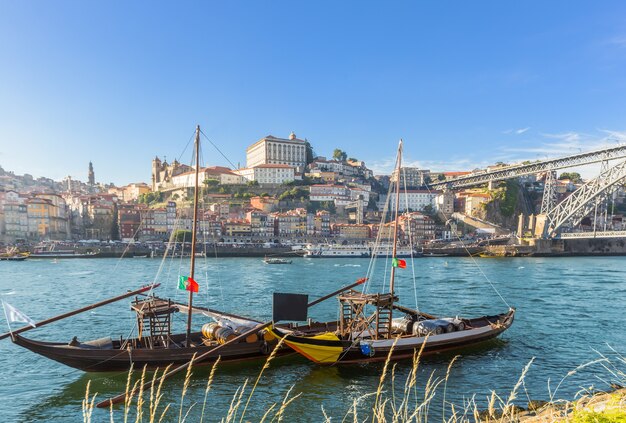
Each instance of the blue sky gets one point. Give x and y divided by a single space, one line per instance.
464 83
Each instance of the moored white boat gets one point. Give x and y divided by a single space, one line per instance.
356 250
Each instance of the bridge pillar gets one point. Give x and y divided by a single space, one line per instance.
548 200
521 227
541 227
532 221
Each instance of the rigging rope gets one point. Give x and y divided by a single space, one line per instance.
218 150
472 257
406 201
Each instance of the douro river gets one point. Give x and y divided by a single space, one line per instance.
568 311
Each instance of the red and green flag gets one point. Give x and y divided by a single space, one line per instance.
398 263
187 284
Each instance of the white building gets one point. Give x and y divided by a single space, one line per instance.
339 194
273 150
224 175
413 199
327 192
268 174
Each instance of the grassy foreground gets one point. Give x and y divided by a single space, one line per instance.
389 403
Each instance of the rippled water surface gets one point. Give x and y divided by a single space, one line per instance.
569 310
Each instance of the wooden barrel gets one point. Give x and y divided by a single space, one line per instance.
209 329
224 334
250 339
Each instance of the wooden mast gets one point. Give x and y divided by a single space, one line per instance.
395 227
193 233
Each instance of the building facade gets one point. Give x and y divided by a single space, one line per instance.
274 150
412 177
268 174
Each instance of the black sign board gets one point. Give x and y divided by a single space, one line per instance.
291 307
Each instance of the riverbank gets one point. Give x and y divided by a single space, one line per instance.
601 407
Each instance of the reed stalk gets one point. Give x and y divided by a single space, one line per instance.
128 393
140 401
208 385
265 366
382 380
185 386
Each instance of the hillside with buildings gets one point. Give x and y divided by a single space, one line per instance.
284 193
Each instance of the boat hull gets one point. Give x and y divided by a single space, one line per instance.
94 359
338 351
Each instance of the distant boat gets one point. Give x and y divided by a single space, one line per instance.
62 254
356 251
49 250
17 257
276 260
435 255
11 254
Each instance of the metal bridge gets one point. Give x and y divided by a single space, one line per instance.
584 200
555 220
515 171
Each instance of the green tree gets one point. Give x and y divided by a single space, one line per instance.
211 183
371 204
252 183
340 155
441 177
310 154
181 235
572 176
115 227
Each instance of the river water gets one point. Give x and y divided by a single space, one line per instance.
569 311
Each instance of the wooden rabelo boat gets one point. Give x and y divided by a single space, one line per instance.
367 331
229 336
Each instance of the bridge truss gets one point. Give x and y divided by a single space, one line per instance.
515 171
584 200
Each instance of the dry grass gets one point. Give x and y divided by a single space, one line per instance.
387 404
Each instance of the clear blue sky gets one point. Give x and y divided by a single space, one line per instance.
464 83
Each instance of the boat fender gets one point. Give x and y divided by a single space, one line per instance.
265 348
367 349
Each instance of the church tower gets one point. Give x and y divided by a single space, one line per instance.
156 173
91 177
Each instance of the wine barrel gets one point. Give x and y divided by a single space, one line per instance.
224 334
250 339
209 329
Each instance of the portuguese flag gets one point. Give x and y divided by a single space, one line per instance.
187 284
398 263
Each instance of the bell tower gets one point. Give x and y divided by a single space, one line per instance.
91 177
